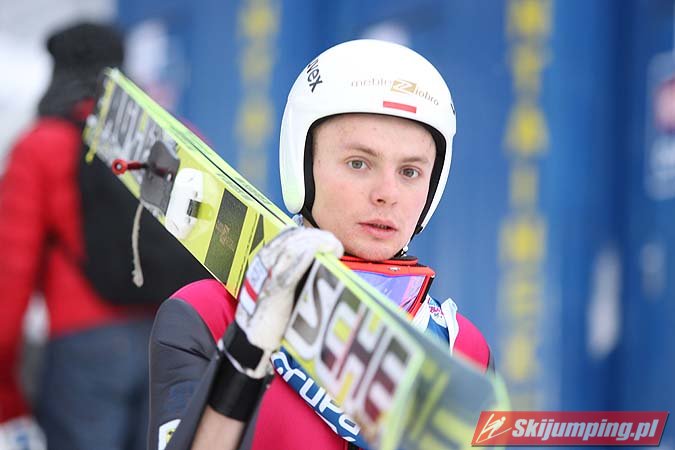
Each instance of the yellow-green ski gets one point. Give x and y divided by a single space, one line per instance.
432 401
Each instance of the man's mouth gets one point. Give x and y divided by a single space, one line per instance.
380 226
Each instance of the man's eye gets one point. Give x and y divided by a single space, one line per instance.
356 164
410 173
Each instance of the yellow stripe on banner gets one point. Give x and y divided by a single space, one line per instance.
245 240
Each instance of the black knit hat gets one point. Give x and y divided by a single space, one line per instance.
79 53
85 46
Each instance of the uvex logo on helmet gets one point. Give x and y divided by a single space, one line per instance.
313 74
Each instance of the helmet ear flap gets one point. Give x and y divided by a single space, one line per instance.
308 173
440 143
308 170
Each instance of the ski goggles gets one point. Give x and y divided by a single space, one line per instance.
404 282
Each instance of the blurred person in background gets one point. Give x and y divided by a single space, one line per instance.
65 230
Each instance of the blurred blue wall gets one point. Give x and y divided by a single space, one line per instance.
546 237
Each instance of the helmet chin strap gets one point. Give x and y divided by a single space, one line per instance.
404 250
307 215
401 252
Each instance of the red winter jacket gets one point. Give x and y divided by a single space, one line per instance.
40 236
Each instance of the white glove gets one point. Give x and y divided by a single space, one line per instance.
21 433
265 304
267 294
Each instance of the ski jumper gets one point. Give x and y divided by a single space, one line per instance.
294 411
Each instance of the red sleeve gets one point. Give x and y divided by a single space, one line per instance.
23 228
182 344
212 302
471 343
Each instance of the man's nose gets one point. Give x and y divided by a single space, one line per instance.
385 189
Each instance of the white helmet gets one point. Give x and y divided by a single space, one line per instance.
363 76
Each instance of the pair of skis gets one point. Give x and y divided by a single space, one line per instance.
406 392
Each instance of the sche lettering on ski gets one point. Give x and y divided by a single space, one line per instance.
349 347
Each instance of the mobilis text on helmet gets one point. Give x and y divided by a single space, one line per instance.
397 85
313 74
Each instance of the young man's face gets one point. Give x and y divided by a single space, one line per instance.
371 177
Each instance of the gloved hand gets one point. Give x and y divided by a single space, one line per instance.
265 305
21 433
267 295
